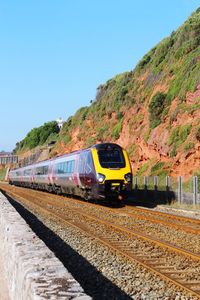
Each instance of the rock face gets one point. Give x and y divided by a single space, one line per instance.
152 111
32 270
174 141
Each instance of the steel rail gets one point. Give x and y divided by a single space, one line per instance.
166 215
133 212
181 227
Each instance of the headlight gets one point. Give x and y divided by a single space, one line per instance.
128 177
100 177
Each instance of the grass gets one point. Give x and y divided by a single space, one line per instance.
178 137
158 170
117 130
189 146
143 169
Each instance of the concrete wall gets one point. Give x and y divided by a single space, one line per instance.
32 270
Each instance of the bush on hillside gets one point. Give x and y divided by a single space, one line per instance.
156 108
38 136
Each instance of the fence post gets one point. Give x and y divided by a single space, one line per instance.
195 189
167 186
145 182
136 183
167 183
145 187
155 183
180 191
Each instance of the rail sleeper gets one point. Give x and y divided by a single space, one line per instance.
32 270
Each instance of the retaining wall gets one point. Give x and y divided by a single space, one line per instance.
32 270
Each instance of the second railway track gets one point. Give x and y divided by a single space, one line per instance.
174 264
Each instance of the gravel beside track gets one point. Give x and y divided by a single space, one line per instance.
134 281
188 241
190 213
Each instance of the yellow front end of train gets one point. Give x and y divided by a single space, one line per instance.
113 171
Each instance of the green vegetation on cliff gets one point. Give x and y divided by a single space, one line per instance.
174 62
38 136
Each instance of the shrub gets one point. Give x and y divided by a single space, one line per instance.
119 115
156 107
38 136
52 137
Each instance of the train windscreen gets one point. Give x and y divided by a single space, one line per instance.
111 158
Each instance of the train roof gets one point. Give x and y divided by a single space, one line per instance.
99 146
106 146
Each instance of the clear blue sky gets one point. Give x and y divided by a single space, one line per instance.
54 54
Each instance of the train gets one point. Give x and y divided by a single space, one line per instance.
100 172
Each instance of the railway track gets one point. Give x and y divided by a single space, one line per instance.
176 221
152 254
138 220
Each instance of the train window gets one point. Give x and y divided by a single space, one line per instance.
61 168
27 172
43 170
65 167
69 167
38 171
111 158
55 169
73 165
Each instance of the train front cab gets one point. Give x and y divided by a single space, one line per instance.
113 171
107 172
